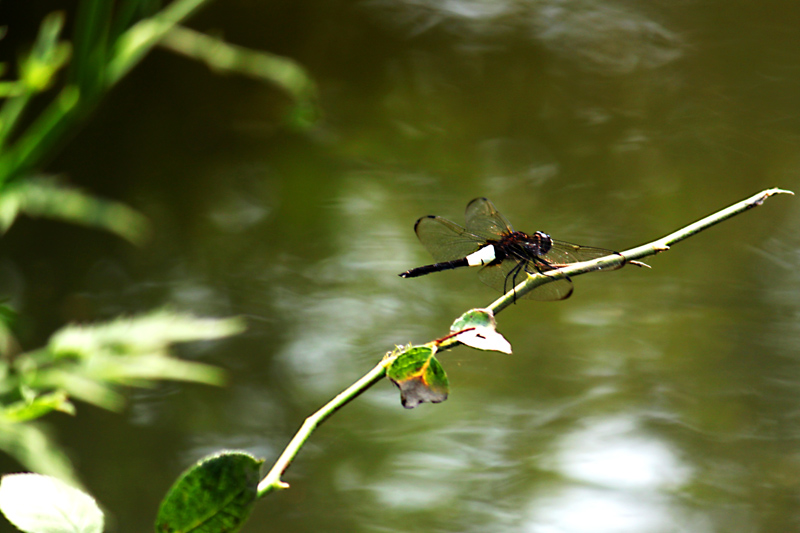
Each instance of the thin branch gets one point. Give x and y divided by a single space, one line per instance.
652 248
273 481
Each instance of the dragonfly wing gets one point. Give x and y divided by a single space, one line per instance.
446 240
485 220
564 253
508 274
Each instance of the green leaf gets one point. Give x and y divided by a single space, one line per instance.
74 381
43 504
25 410
8 317
419 376
88 362
215 495
44 197
126 351
32 445
48 54
279 71
477 329
143 335
91 45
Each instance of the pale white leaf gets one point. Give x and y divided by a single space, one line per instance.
484 339
42 504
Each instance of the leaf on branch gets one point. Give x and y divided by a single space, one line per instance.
216 494
36 503
419 376
477 328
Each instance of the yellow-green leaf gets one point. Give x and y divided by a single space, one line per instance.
419 376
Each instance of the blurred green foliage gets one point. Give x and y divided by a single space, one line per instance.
109 39
47 197
90 363
59 83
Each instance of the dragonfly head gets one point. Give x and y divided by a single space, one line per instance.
540 243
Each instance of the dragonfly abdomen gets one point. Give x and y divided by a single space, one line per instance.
437 267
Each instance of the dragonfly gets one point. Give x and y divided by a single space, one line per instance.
507 256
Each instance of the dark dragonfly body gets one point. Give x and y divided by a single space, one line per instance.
506 255
516 244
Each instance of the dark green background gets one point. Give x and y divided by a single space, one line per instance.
652 401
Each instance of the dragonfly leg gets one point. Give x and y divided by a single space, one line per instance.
542 265
513 273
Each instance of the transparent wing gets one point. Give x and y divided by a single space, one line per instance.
563 253
446 240
485 220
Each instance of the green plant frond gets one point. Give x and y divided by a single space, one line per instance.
30 409
10 89
32 446
89 363
143 335
92 23
38 69
46 197
219 55
281 72
72 379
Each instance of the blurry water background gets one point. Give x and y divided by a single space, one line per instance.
651 401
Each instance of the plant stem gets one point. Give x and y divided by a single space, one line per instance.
144 35
664 243
272 481
659 245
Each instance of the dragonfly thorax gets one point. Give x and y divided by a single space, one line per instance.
538 243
